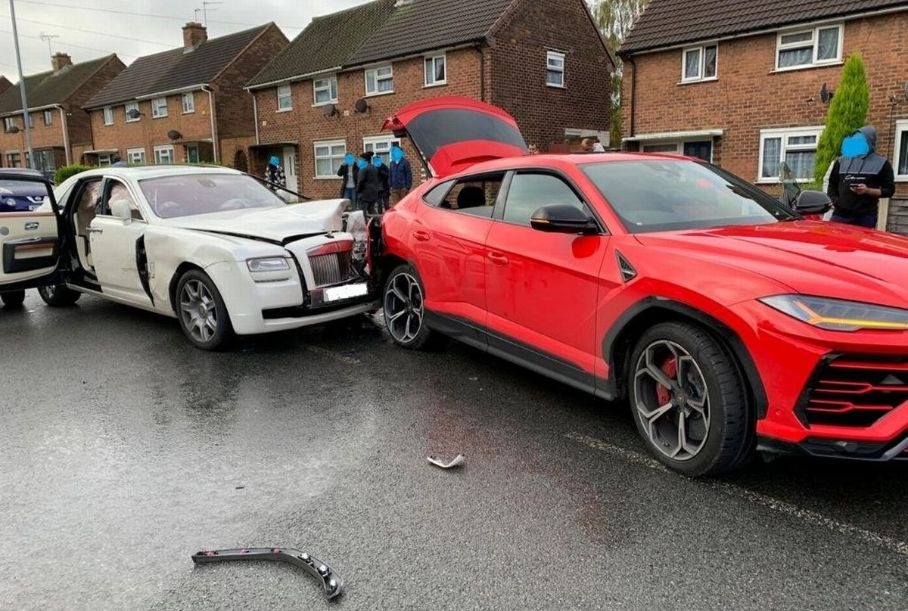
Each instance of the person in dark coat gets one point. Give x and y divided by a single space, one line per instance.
349 171
859 178
401 175
383 175
368 184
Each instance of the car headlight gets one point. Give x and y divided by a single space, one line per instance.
269 269
838 314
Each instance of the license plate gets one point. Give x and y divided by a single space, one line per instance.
349 291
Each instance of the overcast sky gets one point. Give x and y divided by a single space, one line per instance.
87 29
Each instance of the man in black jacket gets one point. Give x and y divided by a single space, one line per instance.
368 185
859 178
348 172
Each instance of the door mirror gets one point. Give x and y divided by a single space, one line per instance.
812 202
563 218
120 209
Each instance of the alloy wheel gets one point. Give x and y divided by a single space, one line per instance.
672 400
198 311
403 307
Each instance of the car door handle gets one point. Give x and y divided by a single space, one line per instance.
422 236
95 230
497 258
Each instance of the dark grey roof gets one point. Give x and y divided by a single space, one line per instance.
175 69
671 22
46 88
327 42
422 25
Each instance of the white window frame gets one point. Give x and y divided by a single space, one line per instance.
814 42
327 83
378 78
131 106
108 115
785 134
188 96
429 79
159 108
552 58
284 95
48 117
135 156
901 131
380 145
330 144
159 154
8 124
701 64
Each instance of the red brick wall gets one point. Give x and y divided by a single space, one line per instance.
749 96
78 120
306 123
42 136
518 70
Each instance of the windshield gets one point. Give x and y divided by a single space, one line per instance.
671 194
191 194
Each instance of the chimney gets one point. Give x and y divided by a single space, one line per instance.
60 61
194 34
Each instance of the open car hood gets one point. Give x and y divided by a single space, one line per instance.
274 224
453 133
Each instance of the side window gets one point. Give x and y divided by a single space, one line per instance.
476 195
118 191
88 198
530 192
437 195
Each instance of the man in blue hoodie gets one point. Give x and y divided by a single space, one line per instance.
859 178
400 176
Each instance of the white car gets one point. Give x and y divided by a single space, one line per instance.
211 247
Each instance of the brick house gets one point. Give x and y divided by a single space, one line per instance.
747 85
332 87
60 129
185 105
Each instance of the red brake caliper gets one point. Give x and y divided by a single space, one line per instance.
670 369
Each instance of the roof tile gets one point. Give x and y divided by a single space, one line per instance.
47 88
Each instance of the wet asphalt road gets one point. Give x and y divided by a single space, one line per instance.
124 450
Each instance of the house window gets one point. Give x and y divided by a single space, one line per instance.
699 63
436 73
135 156
188 102
381 146
9 124
379 80
13 160
324 91
31 121
901 150
554 62
796 147
108 115
803 48
132 108
48 117
284 98
159 108
105 159
163 155
329 156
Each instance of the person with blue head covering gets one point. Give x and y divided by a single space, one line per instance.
349 172
400 175
383 173
859 178
274 174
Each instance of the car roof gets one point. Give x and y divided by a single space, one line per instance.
20 171
156 171
561 160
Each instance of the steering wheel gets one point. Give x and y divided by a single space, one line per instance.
233 204
161 208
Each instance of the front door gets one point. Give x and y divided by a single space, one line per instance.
543 288
30 240
115 245
289 155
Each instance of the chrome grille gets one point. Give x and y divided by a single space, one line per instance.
332 268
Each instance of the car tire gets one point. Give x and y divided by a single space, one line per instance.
58 295
201 311
403 308
688 400
13 299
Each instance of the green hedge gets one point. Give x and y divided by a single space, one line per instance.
69 170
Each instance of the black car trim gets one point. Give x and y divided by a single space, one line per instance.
12 265
847 449
142 266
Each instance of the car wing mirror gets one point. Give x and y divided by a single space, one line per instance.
120 209
563 218
812 202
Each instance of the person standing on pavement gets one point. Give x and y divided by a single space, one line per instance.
400 175
118 162
349 171
368 184
859 178
383 178
274 174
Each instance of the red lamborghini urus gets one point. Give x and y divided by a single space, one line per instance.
728 323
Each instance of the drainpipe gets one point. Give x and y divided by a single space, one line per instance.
65 135
214 129
255 114
630 60
482 73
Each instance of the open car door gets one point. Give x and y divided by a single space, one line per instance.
30 241
453 133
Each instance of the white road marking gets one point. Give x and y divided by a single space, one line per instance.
804 515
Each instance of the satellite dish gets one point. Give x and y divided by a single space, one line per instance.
825 94
174 134
329 110
361 105
133 114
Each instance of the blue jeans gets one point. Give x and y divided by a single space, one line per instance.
862 220
350 193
